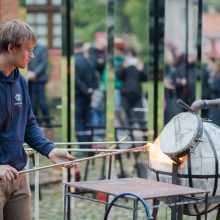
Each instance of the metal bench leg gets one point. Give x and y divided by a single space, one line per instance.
218 214
103 168
121 166
198 217
135 212
155 210
86 170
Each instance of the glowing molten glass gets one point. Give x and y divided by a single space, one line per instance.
156 154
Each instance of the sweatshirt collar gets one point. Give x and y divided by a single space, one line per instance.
11 78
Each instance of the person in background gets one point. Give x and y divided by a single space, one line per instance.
214 91
98 104
213 103
98 52
186 78
170 107
132 72
37 79
86 82
17 121
119 50
205 91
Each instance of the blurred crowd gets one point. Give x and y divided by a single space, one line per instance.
90 89
130 72
180 83
91 82
130 103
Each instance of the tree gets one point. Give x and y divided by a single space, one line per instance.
132 18
213 3
89 17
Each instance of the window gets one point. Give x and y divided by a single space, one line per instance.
45 17
36 2
57 30
39 22
56 2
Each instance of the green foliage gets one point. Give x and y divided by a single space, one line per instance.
214 3
21 3
132 19
89 17
137 12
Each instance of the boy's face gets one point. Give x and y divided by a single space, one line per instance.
21 56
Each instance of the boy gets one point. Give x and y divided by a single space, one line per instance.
17 122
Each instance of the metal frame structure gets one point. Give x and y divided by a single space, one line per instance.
175 195
69 41
37 163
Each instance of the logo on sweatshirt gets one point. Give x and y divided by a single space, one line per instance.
18 98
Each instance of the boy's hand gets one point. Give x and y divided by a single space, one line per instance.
8 173
59 155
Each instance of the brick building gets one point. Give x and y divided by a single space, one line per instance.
8 10
45 17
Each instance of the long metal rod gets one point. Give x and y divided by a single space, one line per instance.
85 150
110 149
97 142
133 150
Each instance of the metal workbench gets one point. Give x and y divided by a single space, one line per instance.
147 189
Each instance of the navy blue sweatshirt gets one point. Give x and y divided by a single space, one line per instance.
18 123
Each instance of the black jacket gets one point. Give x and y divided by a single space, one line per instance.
85 76
98 58
131 81
39 63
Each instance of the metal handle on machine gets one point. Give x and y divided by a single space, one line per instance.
182 104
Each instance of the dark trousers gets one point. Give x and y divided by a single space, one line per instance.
38 100
131 115
82 120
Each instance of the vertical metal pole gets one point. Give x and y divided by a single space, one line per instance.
135 211
187 45
218 214
65 201
199 39
36 188
206 206
68 56
156 65
156 40
69 51
110 57
174 200
109 167
174 173
111 33
180 211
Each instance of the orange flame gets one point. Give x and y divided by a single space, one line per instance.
157 154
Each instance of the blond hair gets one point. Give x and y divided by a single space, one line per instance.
15 32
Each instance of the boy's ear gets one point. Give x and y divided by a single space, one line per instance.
10 47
